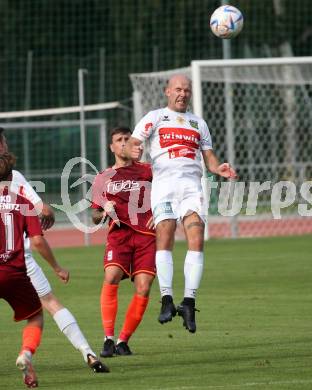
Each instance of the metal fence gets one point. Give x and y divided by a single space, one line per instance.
259 114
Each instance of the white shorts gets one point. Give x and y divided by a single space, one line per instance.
177 199
37 277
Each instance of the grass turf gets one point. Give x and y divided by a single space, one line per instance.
254 327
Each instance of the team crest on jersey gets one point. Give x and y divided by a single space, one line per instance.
180 120
147 127
194 124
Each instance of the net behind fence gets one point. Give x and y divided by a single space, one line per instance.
48 141
260 119
44 43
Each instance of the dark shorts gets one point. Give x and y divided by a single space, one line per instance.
131 251
17 290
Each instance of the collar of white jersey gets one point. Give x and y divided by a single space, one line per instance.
176 112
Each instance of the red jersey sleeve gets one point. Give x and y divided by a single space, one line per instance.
32 222
33 227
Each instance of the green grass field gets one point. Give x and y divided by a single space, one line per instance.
254 325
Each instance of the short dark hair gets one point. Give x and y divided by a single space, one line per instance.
1 134
7 162
119 130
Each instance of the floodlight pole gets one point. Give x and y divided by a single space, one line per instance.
103 145
27 105
198 110
229 122
83 153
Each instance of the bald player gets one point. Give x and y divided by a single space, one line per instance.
178 140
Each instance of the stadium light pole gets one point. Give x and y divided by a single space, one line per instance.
229 120
198 110
27 105
81 73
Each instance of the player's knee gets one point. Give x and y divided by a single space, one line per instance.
143 289
112 279
113 275
166 227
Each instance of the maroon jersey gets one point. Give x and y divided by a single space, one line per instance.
14 222
130 188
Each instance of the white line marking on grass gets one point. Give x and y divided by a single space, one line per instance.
248 384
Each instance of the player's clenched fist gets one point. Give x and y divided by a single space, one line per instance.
62 273
136 152
225 170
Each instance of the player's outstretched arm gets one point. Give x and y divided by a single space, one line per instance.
213 165
40 244
225 170
134 149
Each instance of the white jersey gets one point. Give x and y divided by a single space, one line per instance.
176 141
20 186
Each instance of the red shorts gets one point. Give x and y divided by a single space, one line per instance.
131 251
17 290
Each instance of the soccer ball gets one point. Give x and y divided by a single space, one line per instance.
226 22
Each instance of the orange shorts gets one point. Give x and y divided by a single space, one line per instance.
131 251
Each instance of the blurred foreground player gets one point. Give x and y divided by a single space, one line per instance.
64 319
17 217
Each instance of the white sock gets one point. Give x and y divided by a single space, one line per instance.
193 270
109 338
164 266
68 325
